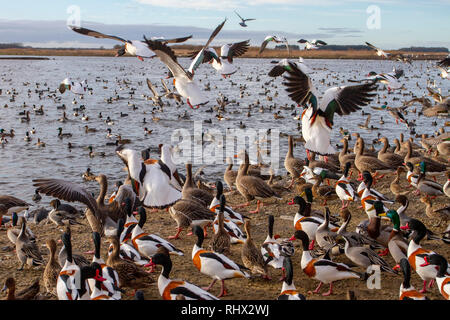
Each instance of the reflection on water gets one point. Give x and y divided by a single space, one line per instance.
22 161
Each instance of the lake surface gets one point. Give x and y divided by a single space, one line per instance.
22 161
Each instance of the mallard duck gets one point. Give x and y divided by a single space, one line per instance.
274 249
214 264
442 277
344 189
441 214
417 256
324 270
431 166
293 165
288 290
26 250
28 293
221 240
428 187
252 187
52 268
170 289
251 256
147 244
395 185
407 291
130 274
364 257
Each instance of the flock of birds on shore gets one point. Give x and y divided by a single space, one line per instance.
155 184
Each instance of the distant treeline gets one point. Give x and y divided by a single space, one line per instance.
425 49
335 47
12 46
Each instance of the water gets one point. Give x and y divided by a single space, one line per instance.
22 161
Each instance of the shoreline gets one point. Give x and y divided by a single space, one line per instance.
251 53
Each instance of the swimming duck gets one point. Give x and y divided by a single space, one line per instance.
169 289
324 270
317 120
288 290
214 264
407 291
63 135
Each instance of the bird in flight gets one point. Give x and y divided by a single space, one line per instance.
242 23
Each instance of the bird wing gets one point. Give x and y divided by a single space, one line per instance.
10 201
372 46
208 55
239 16
444 63
323 43
66 190
264 44
173 40
152 88
299 86
165 86
200 56
96 34
167 56
231 50
348 99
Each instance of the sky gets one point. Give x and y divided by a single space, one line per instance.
390 24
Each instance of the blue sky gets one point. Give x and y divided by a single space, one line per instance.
402 23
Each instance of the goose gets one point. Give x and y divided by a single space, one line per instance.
317 119
52 268
243 21
214 264
369 163
26 250
133 47
148 244
150 179
275 250
324 270
191 192
391 159
344 189
418 256
312 45
344 156
276 39
171 95
184 80
293 165
13 204
283 65
288 289
170 289
407 290
189 213
252 257
442 277
29 293
223 64
251 187
431 166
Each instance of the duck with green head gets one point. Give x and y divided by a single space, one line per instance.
396 243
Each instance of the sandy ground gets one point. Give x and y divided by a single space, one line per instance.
246 289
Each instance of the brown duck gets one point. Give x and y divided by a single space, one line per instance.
293 165
191 192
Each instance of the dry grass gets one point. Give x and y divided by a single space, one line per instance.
251 53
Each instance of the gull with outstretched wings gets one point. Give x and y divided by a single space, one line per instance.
242 23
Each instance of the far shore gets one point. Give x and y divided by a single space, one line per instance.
184 51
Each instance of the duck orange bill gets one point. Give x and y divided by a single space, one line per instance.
150 161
